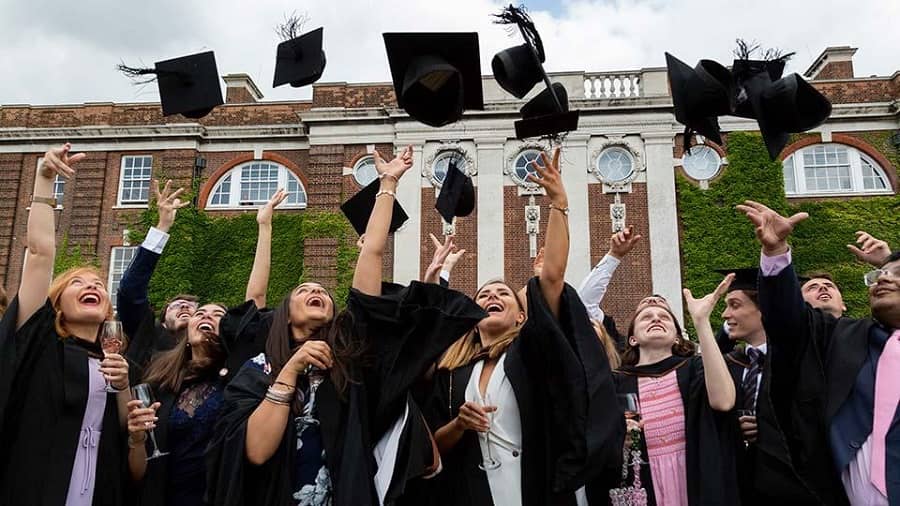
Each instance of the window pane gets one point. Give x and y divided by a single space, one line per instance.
522 166
135 183
615 164
787 169
119 261
826 168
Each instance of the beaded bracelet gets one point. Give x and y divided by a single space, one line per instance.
385 192
385 174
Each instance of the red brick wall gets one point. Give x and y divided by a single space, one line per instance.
320 262
517 268
836 70
465 275
238 95
860 91
633 279
353 95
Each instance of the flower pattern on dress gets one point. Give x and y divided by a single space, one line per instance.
318 493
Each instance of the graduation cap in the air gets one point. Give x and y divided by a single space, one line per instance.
700 95
519 68
745 278
436 76
188 85
300 60
457 196
780 105
359 207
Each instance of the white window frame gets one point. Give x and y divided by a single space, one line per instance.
685 157
284 175
523 182
854 156
133 203
117 268
626 178
438 182
359 165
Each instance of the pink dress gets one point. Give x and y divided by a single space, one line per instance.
662 411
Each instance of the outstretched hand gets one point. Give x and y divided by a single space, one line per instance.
168 204
441 252
701 309
772 229
264 214
59 161
873 251
549 178
396 167
622 242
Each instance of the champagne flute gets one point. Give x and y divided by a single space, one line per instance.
111 342
631 406
488 463
143 393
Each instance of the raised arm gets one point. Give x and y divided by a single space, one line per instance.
442 253
132 301
40 240
258 284
367 276
871 250
719 386
556 245
593 288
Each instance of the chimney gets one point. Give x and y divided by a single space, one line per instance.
833 63
240 89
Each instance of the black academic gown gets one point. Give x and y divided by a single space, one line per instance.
710 436
572 431
764 470
405 331
43 394
815 359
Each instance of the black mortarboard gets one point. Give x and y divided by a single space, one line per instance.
359 207
189 85
436 75
744 278
700 95
301 60
543 115
780 105
457 196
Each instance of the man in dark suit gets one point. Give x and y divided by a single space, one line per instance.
835 383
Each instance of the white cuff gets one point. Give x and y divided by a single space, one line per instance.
155 241
445 275
611 260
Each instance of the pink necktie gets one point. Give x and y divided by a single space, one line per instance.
887 397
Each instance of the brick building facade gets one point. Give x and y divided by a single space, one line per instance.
621 160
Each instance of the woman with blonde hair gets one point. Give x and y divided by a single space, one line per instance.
518 404
62 434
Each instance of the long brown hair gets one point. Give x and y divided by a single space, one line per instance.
58 286
346 349
467 347
170 369
683 347
609 344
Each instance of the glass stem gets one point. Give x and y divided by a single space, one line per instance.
153 438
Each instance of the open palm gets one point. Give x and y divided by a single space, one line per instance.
702 308
772 229
396 167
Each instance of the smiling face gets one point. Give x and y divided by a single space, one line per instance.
178 313
884 295
653 327
502 307
822 293
203 324
310 306
742 316
82 297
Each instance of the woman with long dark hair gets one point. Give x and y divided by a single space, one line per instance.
518 402
188 380
684 401
62 435
324 415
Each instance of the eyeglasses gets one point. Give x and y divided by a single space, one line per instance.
181 302
871 277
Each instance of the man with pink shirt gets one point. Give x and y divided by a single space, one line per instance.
835 383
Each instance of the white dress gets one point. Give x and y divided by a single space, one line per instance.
505 436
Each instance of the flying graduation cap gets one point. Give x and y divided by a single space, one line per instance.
518 69
699 96
436 76
299 59
188 85
457 196
358 209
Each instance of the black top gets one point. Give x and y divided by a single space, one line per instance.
43 395
404 330
562 382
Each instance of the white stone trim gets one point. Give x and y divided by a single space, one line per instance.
572 161
407 255
491 237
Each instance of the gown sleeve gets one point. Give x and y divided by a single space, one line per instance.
585 435
18 346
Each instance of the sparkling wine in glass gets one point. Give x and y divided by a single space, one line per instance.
488 462
143 393
631 405
111 342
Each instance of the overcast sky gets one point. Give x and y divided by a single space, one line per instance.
54 51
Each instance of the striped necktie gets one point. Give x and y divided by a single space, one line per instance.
748 386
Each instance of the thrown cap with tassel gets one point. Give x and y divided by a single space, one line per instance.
700 95
188 85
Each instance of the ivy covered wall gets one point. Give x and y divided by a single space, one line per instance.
716 236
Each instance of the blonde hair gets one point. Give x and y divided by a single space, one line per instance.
467 347
609 345
59 285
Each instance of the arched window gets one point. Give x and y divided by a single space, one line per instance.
823 169
253 183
